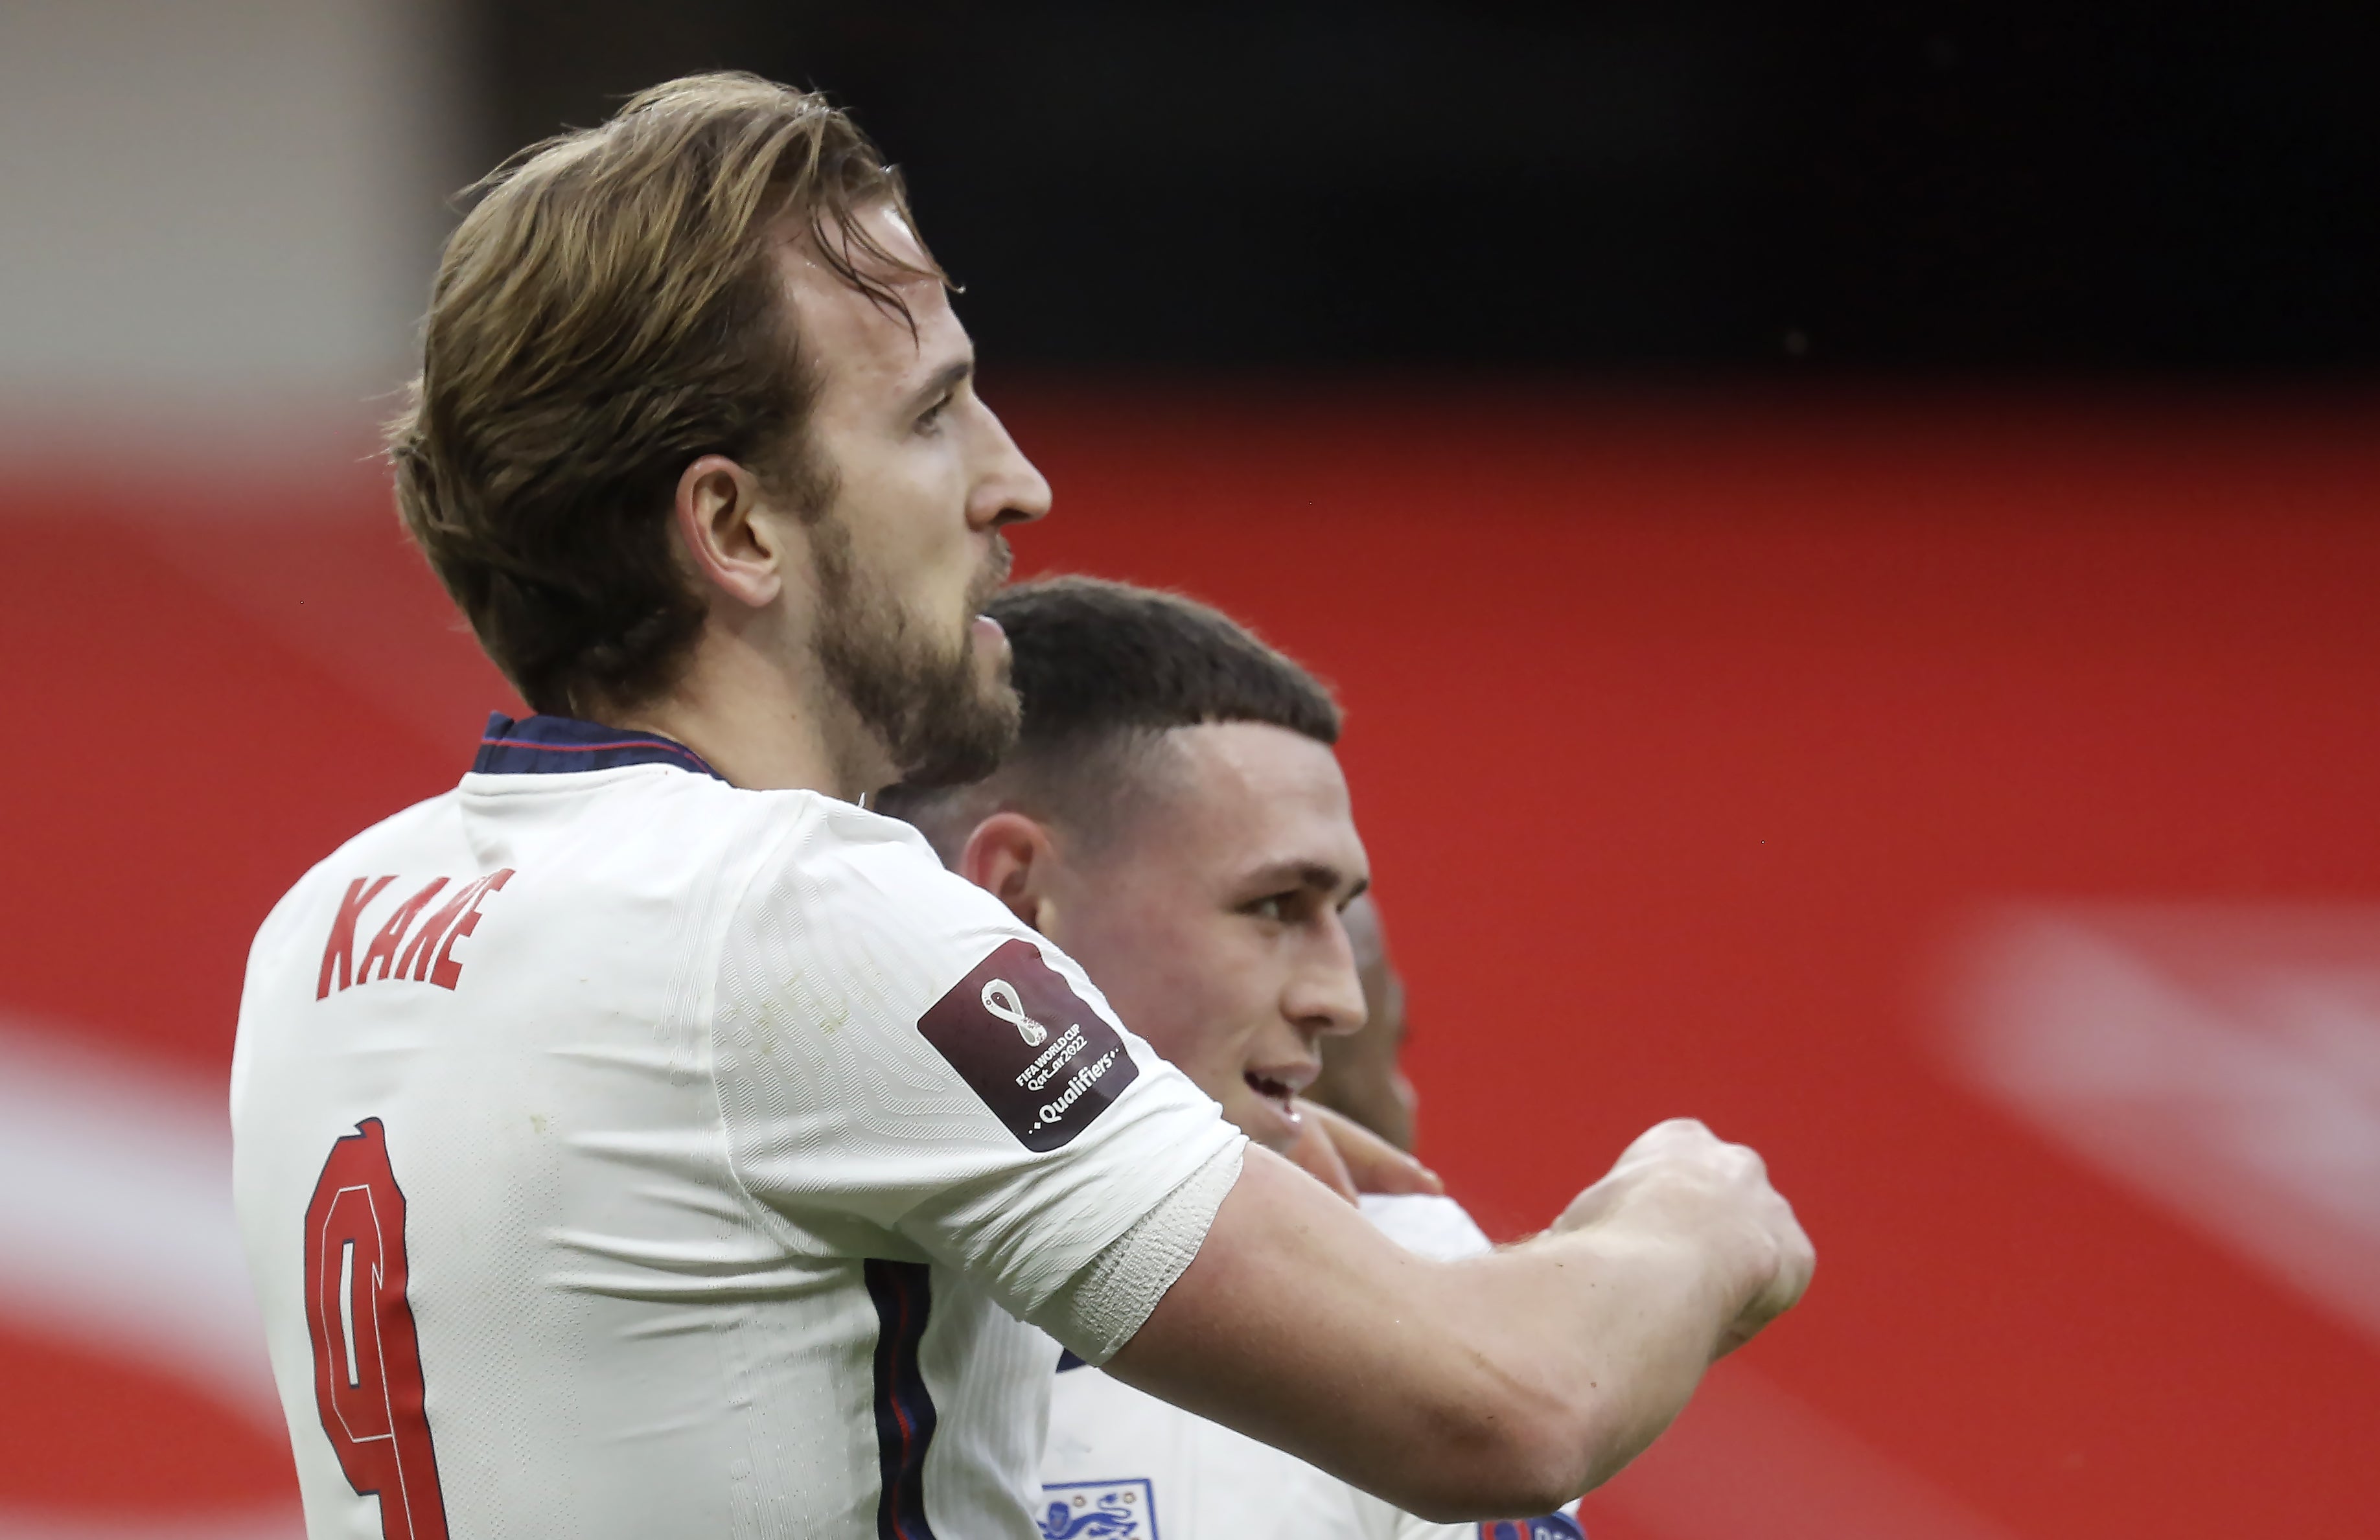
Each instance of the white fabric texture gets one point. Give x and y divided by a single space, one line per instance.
1123 1464
1124 1283
700 1233
1427 1226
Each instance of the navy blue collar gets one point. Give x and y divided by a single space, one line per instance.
547 745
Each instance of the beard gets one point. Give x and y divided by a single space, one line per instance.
920 689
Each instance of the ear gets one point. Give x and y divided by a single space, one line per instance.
1013 858
726 532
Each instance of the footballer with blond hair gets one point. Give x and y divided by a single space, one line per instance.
644 1138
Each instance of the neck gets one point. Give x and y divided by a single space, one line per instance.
762 726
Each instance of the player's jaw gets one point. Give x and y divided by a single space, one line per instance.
934 694
907 552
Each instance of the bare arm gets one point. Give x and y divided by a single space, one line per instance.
1501 1384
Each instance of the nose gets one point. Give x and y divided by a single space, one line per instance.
1325 995
1009 490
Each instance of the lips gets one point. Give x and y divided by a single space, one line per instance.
1279 1084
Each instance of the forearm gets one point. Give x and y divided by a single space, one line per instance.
1549 1366
1610 1330
1500 1385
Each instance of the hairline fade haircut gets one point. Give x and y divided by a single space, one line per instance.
1103 671
610 311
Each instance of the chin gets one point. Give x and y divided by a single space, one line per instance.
1263 1121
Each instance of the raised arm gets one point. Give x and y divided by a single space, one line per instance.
1502 1384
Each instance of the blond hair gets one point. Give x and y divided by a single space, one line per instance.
609 311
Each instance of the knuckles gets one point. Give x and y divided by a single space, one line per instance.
1679 1176
1680 1166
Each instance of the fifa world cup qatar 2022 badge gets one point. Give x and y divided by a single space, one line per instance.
1040 1058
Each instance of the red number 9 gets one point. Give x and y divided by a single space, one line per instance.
367 1360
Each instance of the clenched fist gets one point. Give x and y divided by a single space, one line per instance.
1681 1183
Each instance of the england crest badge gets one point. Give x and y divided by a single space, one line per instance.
1098 1511
1553 1526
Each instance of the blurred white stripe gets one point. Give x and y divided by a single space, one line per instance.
117 1227
116 1233
2223 1063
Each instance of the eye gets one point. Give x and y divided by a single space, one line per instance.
931 418
1273 908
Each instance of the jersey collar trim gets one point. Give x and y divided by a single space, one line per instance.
553 745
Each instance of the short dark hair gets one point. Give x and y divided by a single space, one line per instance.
1102 669
609 312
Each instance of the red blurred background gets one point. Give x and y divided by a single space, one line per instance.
1696 743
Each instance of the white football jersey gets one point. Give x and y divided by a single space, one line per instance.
621 1154
1124 1465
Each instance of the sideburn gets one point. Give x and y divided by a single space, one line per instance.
937 725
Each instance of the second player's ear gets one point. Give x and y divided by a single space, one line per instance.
1011 857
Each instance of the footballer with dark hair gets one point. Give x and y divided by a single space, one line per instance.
1173 816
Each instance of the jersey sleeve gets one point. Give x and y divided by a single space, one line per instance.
1427 1226
904 1070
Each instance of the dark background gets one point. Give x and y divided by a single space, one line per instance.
2082 190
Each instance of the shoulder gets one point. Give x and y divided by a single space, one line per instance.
850 910
867 856
390 840
401 831
858 878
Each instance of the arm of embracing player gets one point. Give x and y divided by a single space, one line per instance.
1502 1384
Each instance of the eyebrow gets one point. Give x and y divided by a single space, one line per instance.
1309 874
948 377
